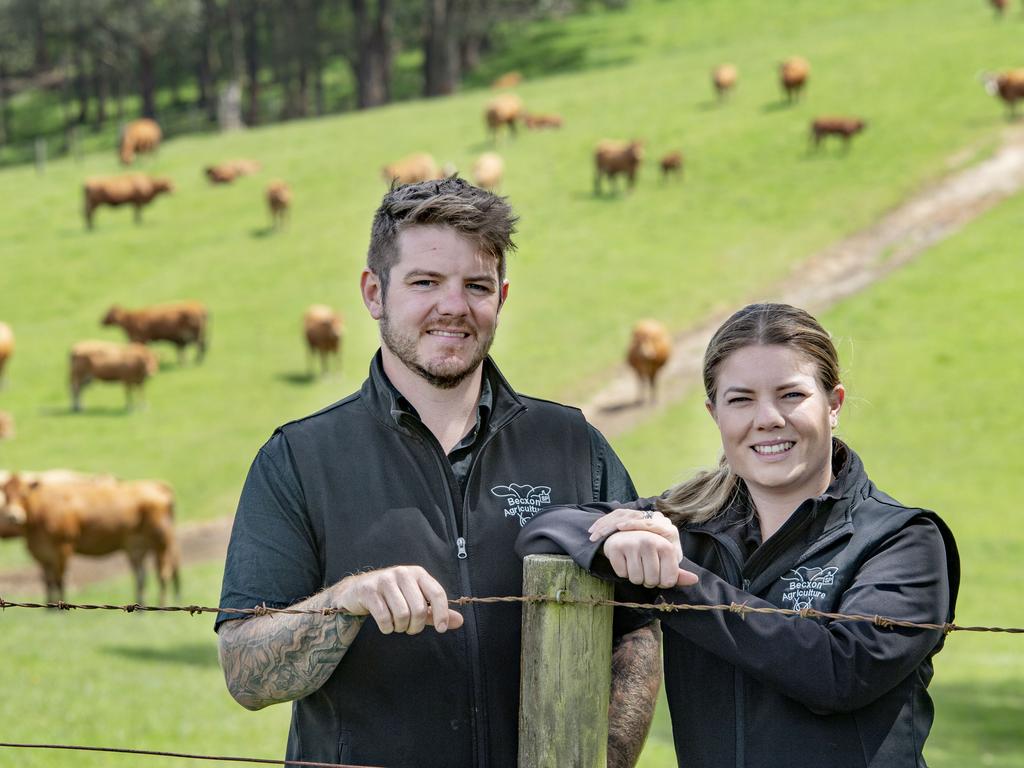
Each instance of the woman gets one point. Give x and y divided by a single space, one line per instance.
789 520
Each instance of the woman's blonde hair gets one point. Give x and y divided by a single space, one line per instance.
708 494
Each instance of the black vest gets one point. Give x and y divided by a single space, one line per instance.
380 492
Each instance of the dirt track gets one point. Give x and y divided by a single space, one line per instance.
822 280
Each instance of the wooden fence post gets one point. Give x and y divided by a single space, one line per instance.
566 667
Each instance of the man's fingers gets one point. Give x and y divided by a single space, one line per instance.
379 612
686 578
396 602
412 591
439 611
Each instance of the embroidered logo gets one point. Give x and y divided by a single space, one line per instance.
807 585
522 501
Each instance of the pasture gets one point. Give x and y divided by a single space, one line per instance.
930 404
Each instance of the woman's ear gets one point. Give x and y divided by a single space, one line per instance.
711 409
836 398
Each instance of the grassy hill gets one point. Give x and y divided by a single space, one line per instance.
930 404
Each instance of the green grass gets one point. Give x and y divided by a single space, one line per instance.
933 376
141 681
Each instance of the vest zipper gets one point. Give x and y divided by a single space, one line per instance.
461 544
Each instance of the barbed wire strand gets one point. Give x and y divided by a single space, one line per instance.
185 755
742 609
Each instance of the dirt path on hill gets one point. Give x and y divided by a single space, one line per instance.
821 281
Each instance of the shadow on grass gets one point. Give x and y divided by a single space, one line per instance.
262 232
90 411
627 405
193 654
777 106
296 378
977 721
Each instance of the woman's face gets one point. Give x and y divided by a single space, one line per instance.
776 421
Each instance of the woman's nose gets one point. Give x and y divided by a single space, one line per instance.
768 416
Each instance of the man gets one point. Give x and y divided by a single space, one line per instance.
403 494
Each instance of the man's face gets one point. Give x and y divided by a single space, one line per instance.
441 309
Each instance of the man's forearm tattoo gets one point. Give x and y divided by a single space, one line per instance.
636 677
276 658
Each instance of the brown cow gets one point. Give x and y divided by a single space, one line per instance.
1008 86
488 170
793 73
279 200
6 348
6 425
419 166
507 80
109 361
93 518
672 163
504 110
323 329
134 189
142 135
999 7
225 173
648 352
614 157
180 322
844 127
723 78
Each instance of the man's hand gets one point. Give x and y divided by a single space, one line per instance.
403 598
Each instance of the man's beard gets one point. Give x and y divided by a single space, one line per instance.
445 376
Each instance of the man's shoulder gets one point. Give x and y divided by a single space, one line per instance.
539 403
327 417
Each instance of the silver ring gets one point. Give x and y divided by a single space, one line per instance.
648 514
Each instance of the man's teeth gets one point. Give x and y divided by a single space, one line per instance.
449 334
767 450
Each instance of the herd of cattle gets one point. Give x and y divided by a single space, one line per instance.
61 512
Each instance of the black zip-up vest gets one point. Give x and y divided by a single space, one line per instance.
381 492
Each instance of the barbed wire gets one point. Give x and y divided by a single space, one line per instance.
184 755
742 609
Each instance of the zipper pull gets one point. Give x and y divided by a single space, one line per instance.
461 544
746 584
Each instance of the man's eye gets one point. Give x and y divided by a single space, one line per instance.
477 288
423 282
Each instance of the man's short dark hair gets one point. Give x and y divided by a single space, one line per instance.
483 217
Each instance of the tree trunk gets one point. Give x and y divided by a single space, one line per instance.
101 90
147 80
206 87
41 53
81 78
440 62
5 113
372 66
250 23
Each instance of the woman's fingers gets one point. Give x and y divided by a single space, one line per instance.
607 525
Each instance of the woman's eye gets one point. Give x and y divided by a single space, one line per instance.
736 400
794 395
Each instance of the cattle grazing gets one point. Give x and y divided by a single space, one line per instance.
6 425
723 78
648 352
419 166
181 323
279 200
93 518
844 127
793 73
614 157
507 80
536 122
139 136
1008 86
323 329
131 364
225 173
134 189
488 170
672 163
6 348
504 110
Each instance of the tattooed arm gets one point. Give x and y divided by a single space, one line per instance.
281 657
636 676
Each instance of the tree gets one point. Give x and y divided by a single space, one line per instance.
440 56
372 59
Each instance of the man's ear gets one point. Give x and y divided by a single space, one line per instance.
373 293
503 294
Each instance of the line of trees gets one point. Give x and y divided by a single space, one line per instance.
98 52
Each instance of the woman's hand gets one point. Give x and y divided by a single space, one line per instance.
624 519
648 558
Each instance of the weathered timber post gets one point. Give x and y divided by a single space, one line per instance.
566 667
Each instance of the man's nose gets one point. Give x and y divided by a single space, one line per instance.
453 301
